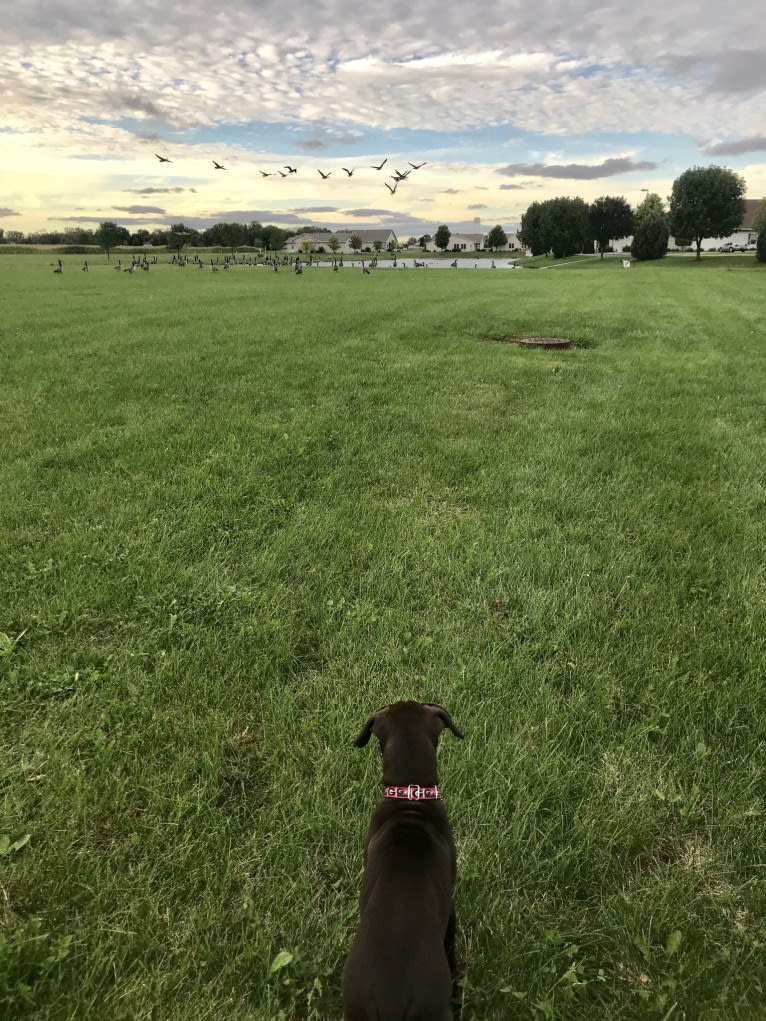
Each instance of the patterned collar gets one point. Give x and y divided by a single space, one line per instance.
412 792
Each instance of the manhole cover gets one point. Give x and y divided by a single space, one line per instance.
540 341
532 341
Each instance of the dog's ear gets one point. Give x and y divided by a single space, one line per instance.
441 713
366 732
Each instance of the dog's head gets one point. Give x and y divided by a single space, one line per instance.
423 716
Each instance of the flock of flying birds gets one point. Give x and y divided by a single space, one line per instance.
397 177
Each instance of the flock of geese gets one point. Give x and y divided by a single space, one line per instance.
165 159
287 171
397 177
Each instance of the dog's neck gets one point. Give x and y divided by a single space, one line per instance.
409 761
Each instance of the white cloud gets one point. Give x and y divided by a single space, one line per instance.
109 80
194 67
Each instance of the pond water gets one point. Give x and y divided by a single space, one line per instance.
464 263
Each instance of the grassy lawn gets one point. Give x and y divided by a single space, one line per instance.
242 510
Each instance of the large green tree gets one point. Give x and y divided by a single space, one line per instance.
442 236
178 235
272 238
760 247
497 238
652 205
234 235
533 232
610 218
355 243
254 234
109 234
707 202
568 226
560 225
650 238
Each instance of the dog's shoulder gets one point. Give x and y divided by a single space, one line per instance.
416 831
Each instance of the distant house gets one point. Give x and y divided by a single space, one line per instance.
511 244
466 242
460 243
744 235
295 243
320 239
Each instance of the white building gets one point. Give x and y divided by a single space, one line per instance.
460 243
742 237
511 244
473 243
301 242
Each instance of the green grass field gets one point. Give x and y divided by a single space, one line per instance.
240 511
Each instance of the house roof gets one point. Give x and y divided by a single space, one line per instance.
752 206
367 236
311 236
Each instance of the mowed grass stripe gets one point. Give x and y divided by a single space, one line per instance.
240 511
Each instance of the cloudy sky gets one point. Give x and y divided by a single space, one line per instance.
506 103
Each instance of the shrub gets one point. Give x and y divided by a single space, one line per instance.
651 238
760 246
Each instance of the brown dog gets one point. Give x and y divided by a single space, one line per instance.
401 964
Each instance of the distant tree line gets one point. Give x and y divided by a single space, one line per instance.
223 235
704 202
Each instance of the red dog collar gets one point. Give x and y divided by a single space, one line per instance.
412 792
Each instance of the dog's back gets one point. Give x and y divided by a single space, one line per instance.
401 962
